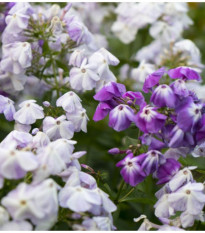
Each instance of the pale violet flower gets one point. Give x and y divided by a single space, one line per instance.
53 158
14 164
78 199
29 112
79 120
16 57
85 77
70 102
4 216
7 107
190 198
40 140
58 128
16 226
77 57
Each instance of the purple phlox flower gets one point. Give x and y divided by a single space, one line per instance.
153 79
179 138
84 77
149 120
181 178
179 88
200 134
135 97
189 116
70 102
15 163
79 119
102 111
131 169
77 57
16 57
152 142
189 198
21 139
121 117
29 112
18 17
58 128
109 91
151 161
163 96
167 170
184 73
7 107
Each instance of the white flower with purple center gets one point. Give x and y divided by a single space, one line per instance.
131 170
121 117
85 77
58 128
29 112
163 96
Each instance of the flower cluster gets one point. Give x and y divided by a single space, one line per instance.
34 41
167 22
172 125
32 158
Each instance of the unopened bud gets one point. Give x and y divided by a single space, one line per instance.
114 151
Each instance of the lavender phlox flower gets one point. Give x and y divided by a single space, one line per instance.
179 88
21 139
187 219
29 112
70 102
131 170
16 163
181 178
7 107
16 226
16 57
102 111
79 119
77 57
135 97
85 77
58 128
190 197
40 140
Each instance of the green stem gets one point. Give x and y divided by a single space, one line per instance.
120 190
127 194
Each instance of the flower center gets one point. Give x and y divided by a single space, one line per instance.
129 164
146 111
163 86
185 172
83 70
153 153
23 202
188 192
197 111
120 108
28 105
58 122
12 153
